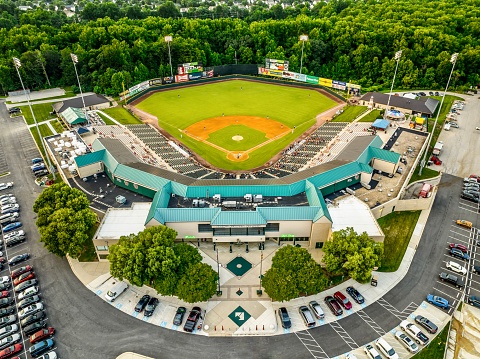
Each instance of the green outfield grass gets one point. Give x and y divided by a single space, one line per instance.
178 109
223 138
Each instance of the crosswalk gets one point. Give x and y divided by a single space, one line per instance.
312 345
345 336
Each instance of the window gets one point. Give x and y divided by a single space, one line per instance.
272 227
319 245
102 256
102 248
205 228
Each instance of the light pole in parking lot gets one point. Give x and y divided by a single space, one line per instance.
75 61
168 40
398 55
453 60
303 38
18 64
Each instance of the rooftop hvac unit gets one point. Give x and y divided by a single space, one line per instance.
217 198
258 198
248 198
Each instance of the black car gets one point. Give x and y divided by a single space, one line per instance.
41 173
5 286
357 297
6 302
284 317
6 311
35 327
430 93
151 306
18 259
452 279
474 300
427 324
333 305
27 301
27 284
178 319
422 94
13 110
475 269
142 303
437 93
32 319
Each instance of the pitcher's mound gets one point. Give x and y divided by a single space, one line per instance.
237 138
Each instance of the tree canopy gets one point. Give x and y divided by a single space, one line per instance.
351 254
152 258
353 41
293 273
64 219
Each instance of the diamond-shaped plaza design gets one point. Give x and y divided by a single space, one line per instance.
239 266
239 316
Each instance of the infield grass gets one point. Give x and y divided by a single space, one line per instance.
223 137
180 108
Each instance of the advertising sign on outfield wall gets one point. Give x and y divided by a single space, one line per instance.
325 82
339 85
312 79
272 64
195 76
190 68
288 75
181 78
300 77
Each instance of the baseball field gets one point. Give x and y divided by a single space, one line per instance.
236 125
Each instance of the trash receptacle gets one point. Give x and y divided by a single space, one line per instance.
374 281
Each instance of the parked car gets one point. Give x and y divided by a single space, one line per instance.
28 301
49 355
32 319
333 305
31 309
38 166
4 186
413 331
40 173
357 297
192 319
438 301
23 278
35 327
10 340
8 200
453 266
4 286
22 286
11 227
41 347
13 110
422 94
371 352
18 258
36 160
8 320
28 293
284 317
8 330
4 294
452 279
474 300
454 252
8 352
430 93
178 318
42 334
4 279
151 306
19 271
316 309
142 303
386 349
10 208
459 246
476 269
6 311
405 340
340 297
427 324
469 197
464 223
13 241
13 234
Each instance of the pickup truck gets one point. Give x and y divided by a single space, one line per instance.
192 319
450 278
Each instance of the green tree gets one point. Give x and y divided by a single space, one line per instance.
293 273
351 254
64 219
198 284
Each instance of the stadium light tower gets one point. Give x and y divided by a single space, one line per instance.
303 38
18 64
168 40
453 60
75 61
398 55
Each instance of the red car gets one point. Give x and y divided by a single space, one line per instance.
2 260
459 246
18 272
23 278
5 353
4 293
42 334
342 300
474 176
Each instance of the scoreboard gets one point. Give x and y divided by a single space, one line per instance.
190 68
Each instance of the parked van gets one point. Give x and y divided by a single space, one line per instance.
386 349
115 291
307 316
425 191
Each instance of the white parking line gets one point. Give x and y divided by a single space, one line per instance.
312 345
451 286
448 295
456 240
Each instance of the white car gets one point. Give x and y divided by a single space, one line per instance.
350 356
413 331
8 200
371 352
13 234
456 267
4 279
406 341
4 186
12 207
10 340
49 355
8 330
4 196
386 349
31 309
28 293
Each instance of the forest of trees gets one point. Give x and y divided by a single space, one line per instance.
353 41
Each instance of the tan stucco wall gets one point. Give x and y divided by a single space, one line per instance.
89 170
384 166
321 232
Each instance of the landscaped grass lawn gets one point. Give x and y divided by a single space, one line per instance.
41 110
426 174
398 229
180 108
349 113
106 119
122 116
223 137
436 348
89 254
57 126
372 116
44 132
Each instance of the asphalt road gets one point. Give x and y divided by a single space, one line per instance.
88 327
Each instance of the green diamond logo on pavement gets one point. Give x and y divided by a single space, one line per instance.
239 316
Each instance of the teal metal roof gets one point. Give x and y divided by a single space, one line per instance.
74 115
164 215
348 170
89 158
240 191
365 157
324 210
388 156
312 194
238 218
365 168
288 213
139 177
160 200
